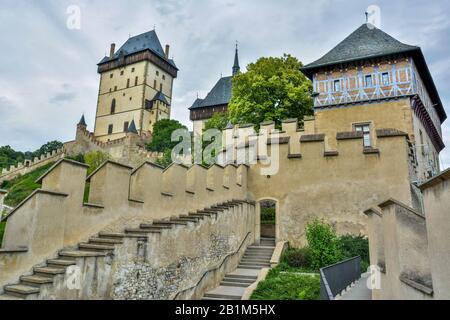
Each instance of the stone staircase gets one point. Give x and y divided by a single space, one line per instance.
101 245
234 284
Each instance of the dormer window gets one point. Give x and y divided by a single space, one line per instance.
368 81
337 85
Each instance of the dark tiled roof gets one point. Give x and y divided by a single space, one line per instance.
366 42
161 97
145 41
82 121
219 95
132 127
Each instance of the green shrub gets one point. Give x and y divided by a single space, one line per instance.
78 158
95 159
2 231
268 215
297 258
287 286
353 246
325 247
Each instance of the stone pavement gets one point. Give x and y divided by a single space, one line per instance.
359 291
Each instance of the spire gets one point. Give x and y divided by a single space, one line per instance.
132 128
82 122
236 67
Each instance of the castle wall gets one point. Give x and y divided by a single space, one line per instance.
30 165
55 216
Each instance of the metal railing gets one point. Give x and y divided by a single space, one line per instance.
335 278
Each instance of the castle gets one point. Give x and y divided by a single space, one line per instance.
375 135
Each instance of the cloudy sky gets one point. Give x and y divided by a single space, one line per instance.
48 71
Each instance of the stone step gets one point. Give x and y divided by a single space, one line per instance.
189 218
213 299
60 262
250 267
261 247
241 277
5 297
222 296
111 235
105 241
227 279
266 261
46 271
156 226
35 280
183 220
199 216
170 223
258 254
73 254
255 264
21 290
141 231
95 247
235 284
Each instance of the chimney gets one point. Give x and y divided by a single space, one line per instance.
167 51
113 50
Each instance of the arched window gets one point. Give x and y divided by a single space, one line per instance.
113 106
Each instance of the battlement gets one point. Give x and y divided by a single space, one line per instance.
30 165
242 144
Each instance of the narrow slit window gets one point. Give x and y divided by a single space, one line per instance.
365 129
385 79
337 85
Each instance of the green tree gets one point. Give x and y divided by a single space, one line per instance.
271 89
94 159
48 147
166 160
10 157
325 246
219 120
162 134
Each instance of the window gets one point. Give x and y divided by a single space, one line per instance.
131 98
113 106
154 84
121 73
132 69
385 79
111 75
136 81
365 129
157 73
164 77
422 143
115 88
368 81
128 83
110 129
110 89
160 87
337 85
126 125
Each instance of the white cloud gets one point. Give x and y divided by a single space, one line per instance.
48 73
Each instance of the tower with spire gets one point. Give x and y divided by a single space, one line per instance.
216 100
135 83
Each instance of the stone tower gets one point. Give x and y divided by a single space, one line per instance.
136 83
371 80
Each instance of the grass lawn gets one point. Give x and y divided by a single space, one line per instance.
21 187
287 285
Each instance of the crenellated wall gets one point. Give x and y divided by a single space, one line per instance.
129 149
30 165
311 180
410 248
55 216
